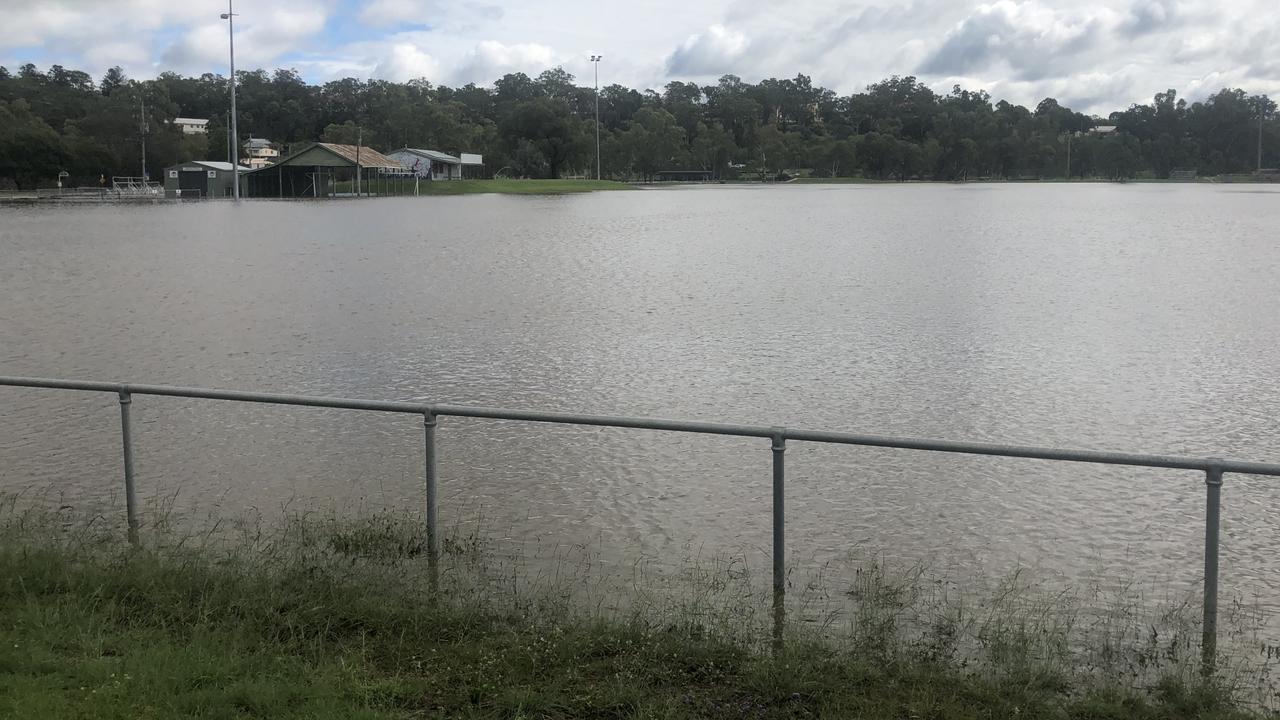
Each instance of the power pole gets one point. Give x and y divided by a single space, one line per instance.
1261 115
359 142
230 17
142 131
595 60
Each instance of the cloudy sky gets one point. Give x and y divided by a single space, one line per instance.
1094 56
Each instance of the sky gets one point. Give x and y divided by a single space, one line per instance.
1092 56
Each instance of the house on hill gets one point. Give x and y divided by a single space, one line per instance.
258 153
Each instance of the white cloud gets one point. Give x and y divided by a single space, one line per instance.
406 61
1106 53
714 52
491 59
148 36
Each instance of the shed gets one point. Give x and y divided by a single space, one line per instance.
200 179
320 170
431 164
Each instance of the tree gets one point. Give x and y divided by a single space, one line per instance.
348 133
30 151
546 126
112 81
654 141
712 148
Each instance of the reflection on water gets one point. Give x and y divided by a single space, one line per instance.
1113 317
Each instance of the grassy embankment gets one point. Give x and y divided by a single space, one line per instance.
328 619
475 187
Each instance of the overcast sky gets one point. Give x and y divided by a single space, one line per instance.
1093 56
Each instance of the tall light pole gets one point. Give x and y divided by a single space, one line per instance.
595 59
230 17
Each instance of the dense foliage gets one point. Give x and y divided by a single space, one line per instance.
61 120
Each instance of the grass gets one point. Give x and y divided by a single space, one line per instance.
520 187
328 618
472 187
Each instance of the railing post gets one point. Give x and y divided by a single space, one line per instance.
130 496
779 539
1212 515
433 531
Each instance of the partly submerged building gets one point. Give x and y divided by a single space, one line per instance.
322 170
200 179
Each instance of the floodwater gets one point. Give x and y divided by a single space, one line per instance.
1143 318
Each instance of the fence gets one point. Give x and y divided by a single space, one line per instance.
1213 468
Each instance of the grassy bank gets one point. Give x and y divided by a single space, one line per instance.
520 187
399 187
329 619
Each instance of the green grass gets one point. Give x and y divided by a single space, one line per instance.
338 619
378 187
520 187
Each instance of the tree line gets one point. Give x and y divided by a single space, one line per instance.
61 120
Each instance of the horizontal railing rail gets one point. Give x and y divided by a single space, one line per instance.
1213 468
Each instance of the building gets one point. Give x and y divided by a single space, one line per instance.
200 179
435 165
323 170
1103 130
472 165
258 153
192 126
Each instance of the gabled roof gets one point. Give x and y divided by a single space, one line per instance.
435 155
369 158
190 121
254 142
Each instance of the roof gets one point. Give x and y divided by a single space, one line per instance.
369 158
435 155
257 142
218 165
211 164
191 121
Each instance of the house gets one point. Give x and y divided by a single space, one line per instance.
192 126
435 165
200 179
1103 130
258 153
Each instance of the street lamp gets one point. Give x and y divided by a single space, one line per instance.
230 16
595 59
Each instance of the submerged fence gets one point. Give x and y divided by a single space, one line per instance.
1213 468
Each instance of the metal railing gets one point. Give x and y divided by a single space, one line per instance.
1213 468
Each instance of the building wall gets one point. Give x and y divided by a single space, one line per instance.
407 159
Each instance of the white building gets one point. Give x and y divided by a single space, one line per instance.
258 153
192 126
435 165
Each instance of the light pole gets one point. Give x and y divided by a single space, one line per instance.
595 60
230 17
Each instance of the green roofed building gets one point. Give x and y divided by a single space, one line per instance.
320 170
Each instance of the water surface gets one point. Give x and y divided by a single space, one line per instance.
1137 317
